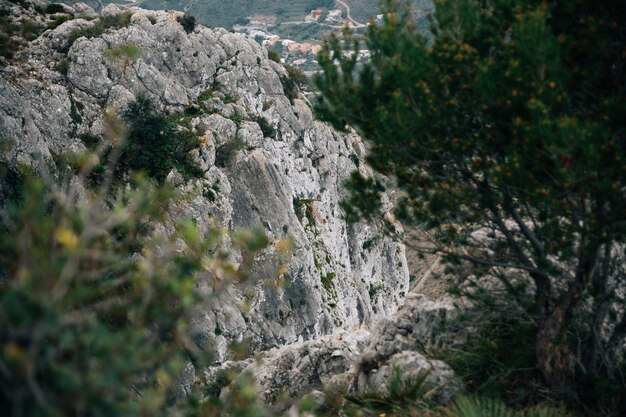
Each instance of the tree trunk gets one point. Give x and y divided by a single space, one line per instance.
554 359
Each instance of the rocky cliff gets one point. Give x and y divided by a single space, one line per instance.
284 170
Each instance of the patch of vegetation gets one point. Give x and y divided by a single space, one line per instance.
58 21
126 52
211 192
103 23
225 154
400 396
14 33
76 109
498 360
273 55
205 96
318 4
369 243
236 117
193 110
355 159
267 129
188 22
488 407
53 8
242 350
90 141
489 129
156 144
102 332
327 283
293 82
267 105
220 381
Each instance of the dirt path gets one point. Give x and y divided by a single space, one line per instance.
427 272
349 16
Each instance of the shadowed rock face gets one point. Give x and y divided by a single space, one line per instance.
290 184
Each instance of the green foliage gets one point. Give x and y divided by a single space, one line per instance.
401 398
205 96
318 4
365 204
235 116
29 29
155 144
485 407
273 55
90 141
12 30
58 21
87 328
96 297
498 360
63 66
97 28
267 129
127 52
327 283
510 121
53 8
293 82
188 22
8 47
297 76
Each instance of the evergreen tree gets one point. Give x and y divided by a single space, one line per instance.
510 122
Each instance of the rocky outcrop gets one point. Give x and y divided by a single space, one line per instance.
403 342
359 361
266 161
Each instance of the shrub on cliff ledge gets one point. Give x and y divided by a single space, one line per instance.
188 22
155 143
507 137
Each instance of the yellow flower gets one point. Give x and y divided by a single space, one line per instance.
66 237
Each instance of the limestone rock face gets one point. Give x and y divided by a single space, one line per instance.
288 373
360 362
419 325
287 179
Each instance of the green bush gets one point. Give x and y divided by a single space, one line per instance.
188 22
498 360
8 47
401 398
293 82
273 55
63 66
103 23
485 407
87 329
205 96
155 144
53 8
267 129
10 29
58 21
96 300
297 76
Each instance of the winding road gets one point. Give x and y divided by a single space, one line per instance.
349 16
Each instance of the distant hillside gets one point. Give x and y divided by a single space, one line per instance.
224 14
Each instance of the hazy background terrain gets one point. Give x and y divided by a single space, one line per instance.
225 13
